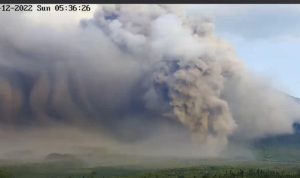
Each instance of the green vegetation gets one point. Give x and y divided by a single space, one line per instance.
231 170
5 174
222 172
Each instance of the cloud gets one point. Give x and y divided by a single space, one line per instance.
135 73
253 22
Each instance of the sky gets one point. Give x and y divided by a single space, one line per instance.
266 37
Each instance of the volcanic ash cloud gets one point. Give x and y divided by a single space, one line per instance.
131 69
194 77
186 65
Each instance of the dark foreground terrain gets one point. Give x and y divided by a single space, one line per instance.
209 169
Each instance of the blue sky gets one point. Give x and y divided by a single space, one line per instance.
266 37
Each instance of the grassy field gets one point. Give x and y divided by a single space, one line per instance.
233 169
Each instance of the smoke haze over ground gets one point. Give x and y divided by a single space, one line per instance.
145 78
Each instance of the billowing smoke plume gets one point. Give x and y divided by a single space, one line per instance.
133 70
192 91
